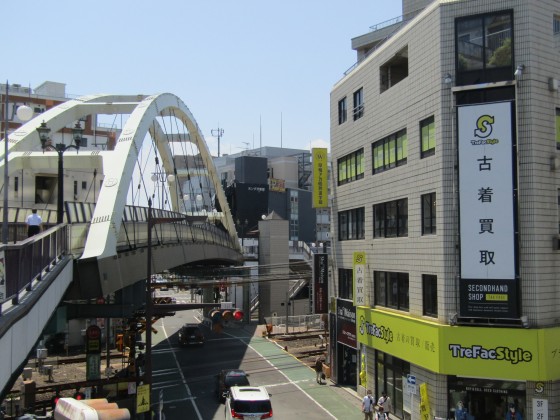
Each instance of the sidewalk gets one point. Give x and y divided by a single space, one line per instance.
341 403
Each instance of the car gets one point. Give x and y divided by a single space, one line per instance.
191 334
248 402
228 378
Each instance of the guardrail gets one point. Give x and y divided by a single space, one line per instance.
25 262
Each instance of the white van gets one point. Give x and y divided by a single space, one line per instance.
248 402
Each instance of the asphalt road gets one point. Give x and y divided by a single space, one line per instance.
184 378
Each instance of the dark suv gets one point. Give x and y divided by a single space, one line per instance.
228 378
191 334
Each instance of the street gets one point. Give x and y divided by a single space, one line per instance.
184 378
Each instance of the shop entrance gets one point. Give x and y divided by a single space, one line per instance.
485 399
347 365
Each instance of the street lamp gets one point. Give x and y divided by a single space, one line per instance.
60 148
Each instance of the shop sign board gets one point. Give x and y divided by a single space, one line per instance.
508 353
320 178
540 409
487 207
346 323
359 277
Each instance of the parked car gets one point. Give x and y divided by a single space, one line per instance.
245 402
228 378
191 334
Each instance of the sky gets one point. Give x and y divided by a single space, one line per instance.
260 70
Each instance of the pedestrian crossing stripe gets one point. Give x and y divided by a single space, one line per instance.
143 398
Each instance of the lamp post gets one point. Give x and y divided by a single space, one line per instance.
60 148
149 300
24 113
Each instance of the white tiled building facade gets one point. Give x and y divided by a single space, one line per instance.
467 315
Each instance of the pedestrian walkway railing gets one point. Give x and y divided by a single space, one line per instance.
23 263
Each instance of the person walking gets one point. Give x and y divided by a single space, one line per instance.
367 406
319 369
384 404
34 223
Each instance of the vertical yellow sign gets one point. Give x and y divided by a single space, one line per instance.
424 402
143 398
359 277
320 178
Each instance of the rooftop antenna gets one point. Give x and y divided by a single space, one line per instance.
218 132
260 132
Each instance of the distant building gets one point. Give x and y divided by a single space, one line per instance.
445 143
268 179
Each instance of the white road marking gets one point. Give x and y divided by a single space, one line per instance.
289 380
190 396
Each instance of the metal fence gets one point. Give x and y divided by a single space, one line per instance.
299 323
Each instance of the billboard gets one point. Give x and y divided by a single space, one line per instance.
488 285
359 276
320 178
320 283
346 323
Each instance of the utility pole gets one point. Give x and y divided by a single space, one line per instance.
218 132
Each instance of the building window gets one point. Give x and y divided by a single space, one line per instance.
390 152
84 185
556 24
351 167
427 137
345 284
557 120
294 215
484 48
429 295
394 70
390 219
342 110
389 374
358 104
391 290
429 214
351 224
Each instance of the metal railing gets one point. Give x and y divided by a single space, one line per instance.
27 261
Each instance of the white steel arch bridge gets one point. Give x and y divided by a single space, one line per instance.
152 150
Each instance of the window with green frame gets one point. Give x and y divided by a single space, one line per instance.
351 167
558 128
390 152
428 137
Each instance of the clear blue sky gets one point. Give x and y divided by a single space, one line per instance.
232 62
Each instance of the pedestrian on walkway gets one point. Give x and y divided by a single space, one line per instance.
367 406
384 404
34 223
319 369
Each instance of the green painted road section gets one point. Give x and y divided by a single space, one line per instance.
339 402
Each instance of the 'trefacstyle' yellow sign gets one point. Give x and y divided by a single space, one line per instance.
507 353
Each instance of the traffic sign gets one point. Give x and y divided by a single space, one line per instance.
411 379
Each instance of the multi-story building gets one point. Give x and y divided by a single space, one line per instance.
277 179
445 146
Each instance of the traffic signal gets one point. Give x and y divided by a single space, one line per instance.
238 315
54 401
79 395
219 315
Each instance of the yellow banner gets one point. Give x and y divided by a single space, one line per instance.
143 398
320 178
359 277
424 402
508 353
